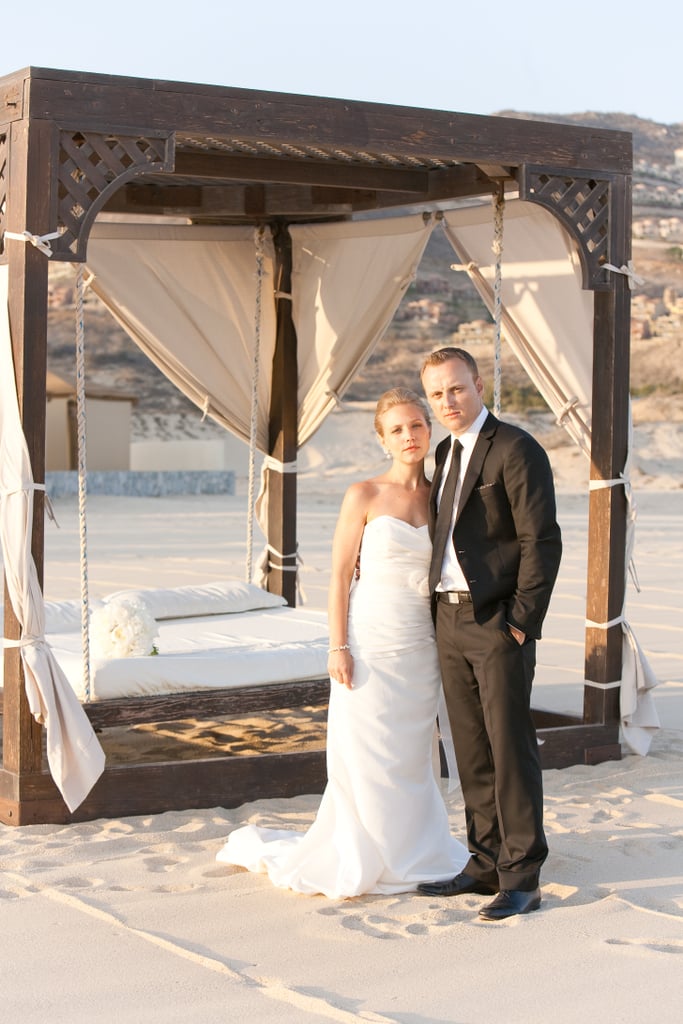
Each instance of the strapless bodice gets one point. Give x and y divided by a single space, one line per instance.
389 607
395 554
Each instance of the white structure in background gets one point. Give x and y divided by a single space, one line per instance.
108 415
208 455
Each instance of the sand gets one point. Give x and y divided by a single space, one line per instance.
132 919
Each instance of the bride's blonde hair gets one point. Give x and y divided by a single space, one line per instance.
399 396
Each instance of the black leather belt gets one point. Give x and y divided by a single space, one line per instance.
454 596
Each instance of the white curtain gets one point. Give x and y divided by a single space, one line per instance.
547 315
348 280
547 320
75 757
187 296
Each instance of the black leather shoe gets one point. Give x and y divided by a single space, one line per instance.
457 886
509 902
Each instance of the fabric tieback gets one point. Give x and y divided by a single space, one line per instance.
444 516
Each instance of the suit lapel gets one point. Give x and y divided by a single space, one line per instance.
477 459
440 458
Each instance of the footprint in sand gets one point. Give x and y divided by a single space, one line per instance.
602 815
378 926
655 945
76 882
160 863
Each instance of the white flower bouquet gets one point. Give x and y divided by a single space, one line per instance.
123 628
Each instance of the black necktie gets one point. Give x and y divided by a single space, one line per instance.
443 517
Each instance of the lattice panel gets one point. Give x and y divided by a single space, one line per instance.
583 203
4 165
92 165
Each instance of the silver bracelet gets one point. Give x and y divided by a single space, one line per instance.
342 647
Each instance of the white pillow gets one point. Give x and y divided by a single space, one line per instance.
220 598
65 616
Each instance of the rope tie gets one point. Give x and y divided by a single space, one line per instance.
260 260
602 686
25 641
270 462
280 555
569 406
628 270
41 242
604 625
82 479
5 492
270 550
466 267
599 485
332 393
497 246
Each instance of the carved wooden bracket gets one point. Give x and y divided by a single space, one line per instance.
583 203
91 167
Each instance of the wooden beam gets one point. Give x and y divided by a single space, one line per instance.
237 202
233 701
606 574
116 103
283 427
31 152
229 167
153 788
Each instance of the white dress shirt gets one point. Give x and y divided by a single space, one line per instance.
452 577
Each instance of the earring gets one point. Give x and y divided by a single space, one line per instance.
387 453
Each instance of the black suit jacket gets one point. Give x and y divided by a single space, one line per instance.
506 535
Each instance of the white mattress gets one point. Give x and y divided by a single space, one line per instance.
275 645
231 647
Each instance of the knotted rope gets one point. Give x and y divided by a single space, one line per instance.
82 479
260 260
497 247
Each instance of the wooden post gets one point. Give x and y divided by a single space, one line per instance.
28 208
282 431
607 505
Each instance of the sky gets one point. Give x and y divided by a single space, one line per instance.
478 58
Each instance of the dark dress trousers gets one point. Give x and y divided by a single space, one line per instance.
508 544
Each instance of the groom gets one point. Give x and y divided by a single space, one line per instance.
496 554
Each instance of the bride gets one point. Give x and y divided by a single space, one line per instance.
382 826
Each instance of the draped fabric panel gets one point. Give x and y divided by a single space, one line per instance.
547 320
75 757
348 280
187 296
547 315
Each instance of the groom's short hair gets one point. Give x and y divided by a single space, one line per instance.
444 355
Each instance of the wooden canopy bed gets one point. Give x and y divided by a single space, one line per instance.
74 145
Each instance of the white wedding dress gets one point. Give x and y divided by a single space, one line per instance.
382 826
